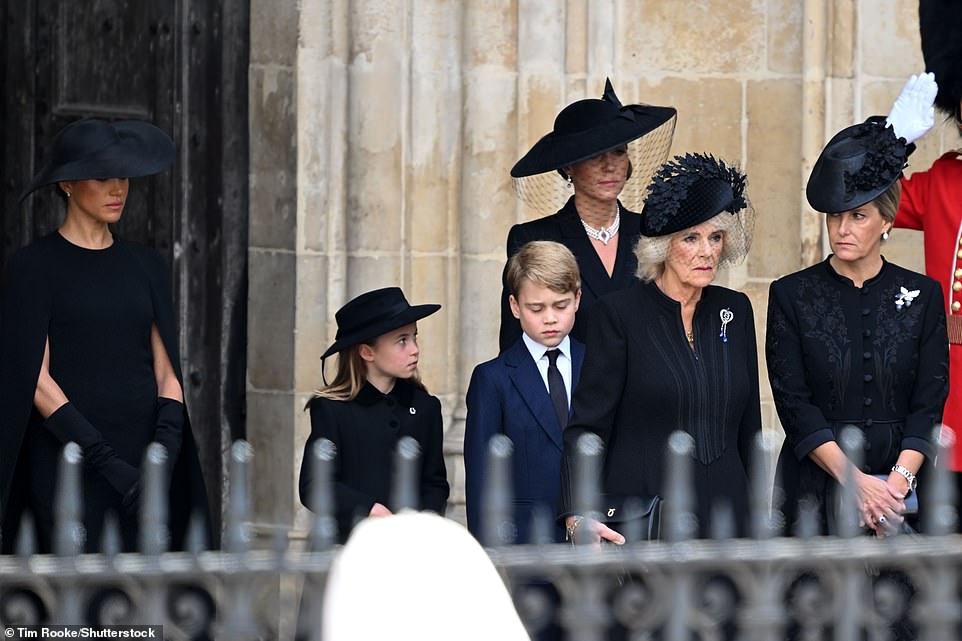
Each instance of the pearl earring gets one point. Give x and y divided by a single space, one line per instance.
885 235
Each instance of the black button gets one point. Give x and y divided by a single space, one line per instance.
868 402
867 355
866 311
868 446
865 291
866 468
393 423
867 333
868 422
868 378
390 402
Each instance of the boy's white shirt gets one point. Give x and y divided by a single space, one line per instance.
539 354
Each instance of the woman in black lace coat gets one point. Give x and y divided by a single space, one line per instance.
856 340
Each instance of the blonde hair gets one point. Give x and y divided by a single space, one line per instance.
545 263
651 252
888 201
351 376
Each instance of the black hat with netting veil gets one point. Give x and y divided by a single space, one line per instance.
940 25
585 129
695 188
857 165
94 149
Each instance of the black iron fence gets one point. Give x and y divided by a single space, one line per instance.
766 588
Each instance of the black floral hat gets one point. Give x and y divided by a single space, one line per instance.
690 189
856 166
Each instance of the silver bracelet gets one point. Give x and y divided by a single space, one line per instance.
904 471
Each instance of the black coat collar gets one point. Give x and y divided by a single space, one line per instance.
402 393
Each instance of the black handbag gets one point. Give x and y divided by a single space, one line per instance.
636 518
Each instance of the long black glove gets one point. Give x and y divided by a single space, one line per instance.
68 424
170 427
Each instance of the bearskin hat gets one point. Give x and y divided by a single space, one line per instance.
940 23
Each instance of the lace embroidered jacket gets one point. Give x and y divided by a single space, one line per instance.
875 357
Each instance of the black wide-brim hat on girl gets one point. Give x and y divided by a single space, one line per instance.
93 149
940 26
694 188
586 128
372 314
857 166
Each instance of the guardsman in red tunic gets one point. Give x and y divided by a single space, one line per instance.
932 200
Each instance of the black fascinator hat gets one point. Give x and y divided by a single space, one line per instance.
372 314
585 129
940 25
856 166
690 189
96 149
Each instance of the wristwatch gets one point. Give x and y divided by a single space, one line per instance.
904 471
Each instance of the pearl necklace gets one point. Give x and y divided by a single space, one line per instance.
603 234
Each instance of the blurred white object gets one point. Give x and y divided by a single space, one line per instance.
417 576
913 113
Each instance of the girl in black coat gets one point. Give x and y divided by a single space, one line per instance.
375 399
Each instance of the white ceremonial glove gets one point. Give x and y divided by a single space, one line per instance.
913 114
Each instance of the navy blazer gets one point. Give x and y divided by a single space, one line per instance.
507 395
565 227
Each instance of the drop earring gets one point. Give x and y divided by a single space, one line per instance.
885 235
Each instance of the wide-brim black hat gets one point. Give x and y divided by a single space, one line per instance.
372 314
92 149
940 26
856 166
589 127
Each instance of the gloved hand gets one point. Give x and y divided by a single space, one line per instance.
170 427
68 424
912 114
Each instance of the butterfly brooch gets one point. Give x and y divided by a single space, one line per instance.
905 297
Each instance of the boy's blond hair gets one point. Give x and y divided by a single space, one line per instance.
545 263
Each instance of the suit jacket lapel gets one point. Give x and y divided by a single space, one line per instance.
577 358
527 380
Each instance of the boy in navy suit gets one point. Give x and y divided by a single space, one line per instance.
525 393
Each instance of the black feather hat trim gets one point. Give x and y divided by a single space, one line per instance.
857 165
690 189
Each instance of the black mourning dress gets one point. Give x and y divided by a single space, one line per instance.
839 354
97 307
641 381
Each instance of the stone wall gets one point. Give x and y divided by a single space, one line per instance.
382 132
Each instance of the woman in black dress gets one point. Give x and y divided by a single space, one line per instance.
89 349
856 340
674 352
588 152
375 399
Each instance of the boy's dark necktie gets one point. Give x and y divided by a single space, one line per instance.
556 387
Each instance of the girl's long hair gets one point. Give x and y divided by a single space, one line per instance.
351 376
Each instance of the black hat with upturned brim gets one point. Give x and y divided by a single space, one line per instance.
940 26
856 166
689 190
372 314
93 149
590 127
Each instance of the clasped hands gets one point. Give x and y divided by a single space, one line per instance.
881 503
